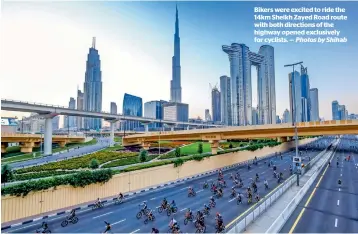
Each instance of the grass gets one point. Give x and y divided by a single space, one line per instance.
118 139
23 157
127 161
193 148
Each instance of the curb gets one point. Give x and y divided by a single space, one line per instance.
142 191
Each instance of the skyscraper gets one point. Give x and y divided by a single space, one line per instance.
56 123
215 105
295 96
255 116
314 116
70 121
93 87
154 109
176 111
278 120
132 106
80 106
175 83
335 111
342 112
207 115
266 86
305 92
241 59
286 117
113 108
225 100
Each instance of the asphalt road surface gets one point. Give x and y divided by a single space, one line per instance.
101 144
328 207
123 216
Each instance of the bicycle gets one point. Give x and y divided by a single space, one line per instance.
149 218
192 194
172 210
212 204
43 231
174 229
68 219
142 212
97 205
162 207
118 201
188 218
220 229
206 211
200 229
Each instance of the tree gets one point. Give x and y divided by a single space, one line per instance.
177 152
6 173
230 146
143 155
200 148
94 163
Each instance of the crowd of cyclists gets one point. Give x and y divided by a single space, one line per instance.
217 189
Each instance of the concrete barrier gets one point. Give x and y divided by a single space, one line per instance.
35 203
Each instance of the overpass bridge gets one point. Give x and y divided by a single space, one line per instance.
29 141
283 132
50 111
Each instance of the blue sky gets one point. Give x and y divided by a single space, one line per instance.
45 47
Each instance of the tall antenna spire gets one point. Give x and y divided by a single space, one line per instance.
94 42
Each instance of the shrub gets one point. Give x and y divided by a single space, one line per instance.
230 146
178 162
6 173
127 161
94 163
198 157
36 175
200 148
177 152
143 155
80 179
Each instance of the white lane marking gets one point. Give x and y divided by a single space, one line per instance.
144 201
341 174
135 231
184 188
157 207
118 222
337 202
102 215
200 191
232 199
263 173
210 179
152 198
339 189
336 223
183 209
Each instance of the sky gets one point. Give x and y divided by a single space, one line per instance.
45 45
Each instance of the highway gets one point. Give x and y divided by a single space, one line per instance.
328 207
101 144
123 217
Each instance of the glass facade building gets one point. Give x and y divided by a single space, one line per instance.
154 109
335 110
93 87
295 96
314 115
132 106
305 92
225 99
176 111
215 105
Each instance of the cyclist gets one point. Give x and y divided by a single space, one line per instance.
257 197
220 192
98 202
44 227
108 227
201 223
164 203
173 205
248 166
219 221
206 208
239 198
199 215
233 192
250 197
120 196
339 181
266 184
191 191
188 213
150 215
173 224
274 167
254 186
206 184
154 230
211 201
337 163
290 168
257 177
144 206
72 214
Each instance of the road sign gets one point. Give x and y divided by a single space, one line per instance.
297 159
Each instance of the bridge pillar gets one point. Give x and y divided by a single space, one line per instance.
145 145
172 128
48 136
62 144
26 147
282 139
214 146
112 124
188 127
3 147
146 127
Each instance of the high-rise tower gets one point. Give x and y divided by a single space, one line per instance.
93 87
175 88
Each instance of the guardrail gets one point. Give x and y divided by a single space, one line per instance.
257 209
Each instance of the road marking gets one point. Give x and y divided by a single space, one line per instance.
341 174
184 188
200 191
232 199
336 222
118 222
337 202
102 215
263 173
135 231
183 209
157 207
308 201
152 198
210 179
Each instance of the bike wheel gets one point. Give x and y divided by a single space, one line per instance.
94 207
160 209
198 230
169 212
64 223
185 221
139 215
74 220
214 204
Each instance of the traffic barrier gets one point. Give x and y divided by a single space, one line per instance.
129 182
257 209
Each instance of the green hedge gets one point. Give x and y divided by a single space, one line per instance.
80 179
80 162
42 174
127 161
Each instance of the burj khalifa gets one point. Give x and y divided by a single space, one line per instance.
175 87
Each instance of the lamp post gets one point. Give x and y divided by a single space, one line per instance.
293 114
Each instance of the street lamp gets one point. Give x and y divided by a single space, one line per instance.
293 110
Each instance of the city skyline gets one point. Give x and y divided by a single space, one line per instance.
156 78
